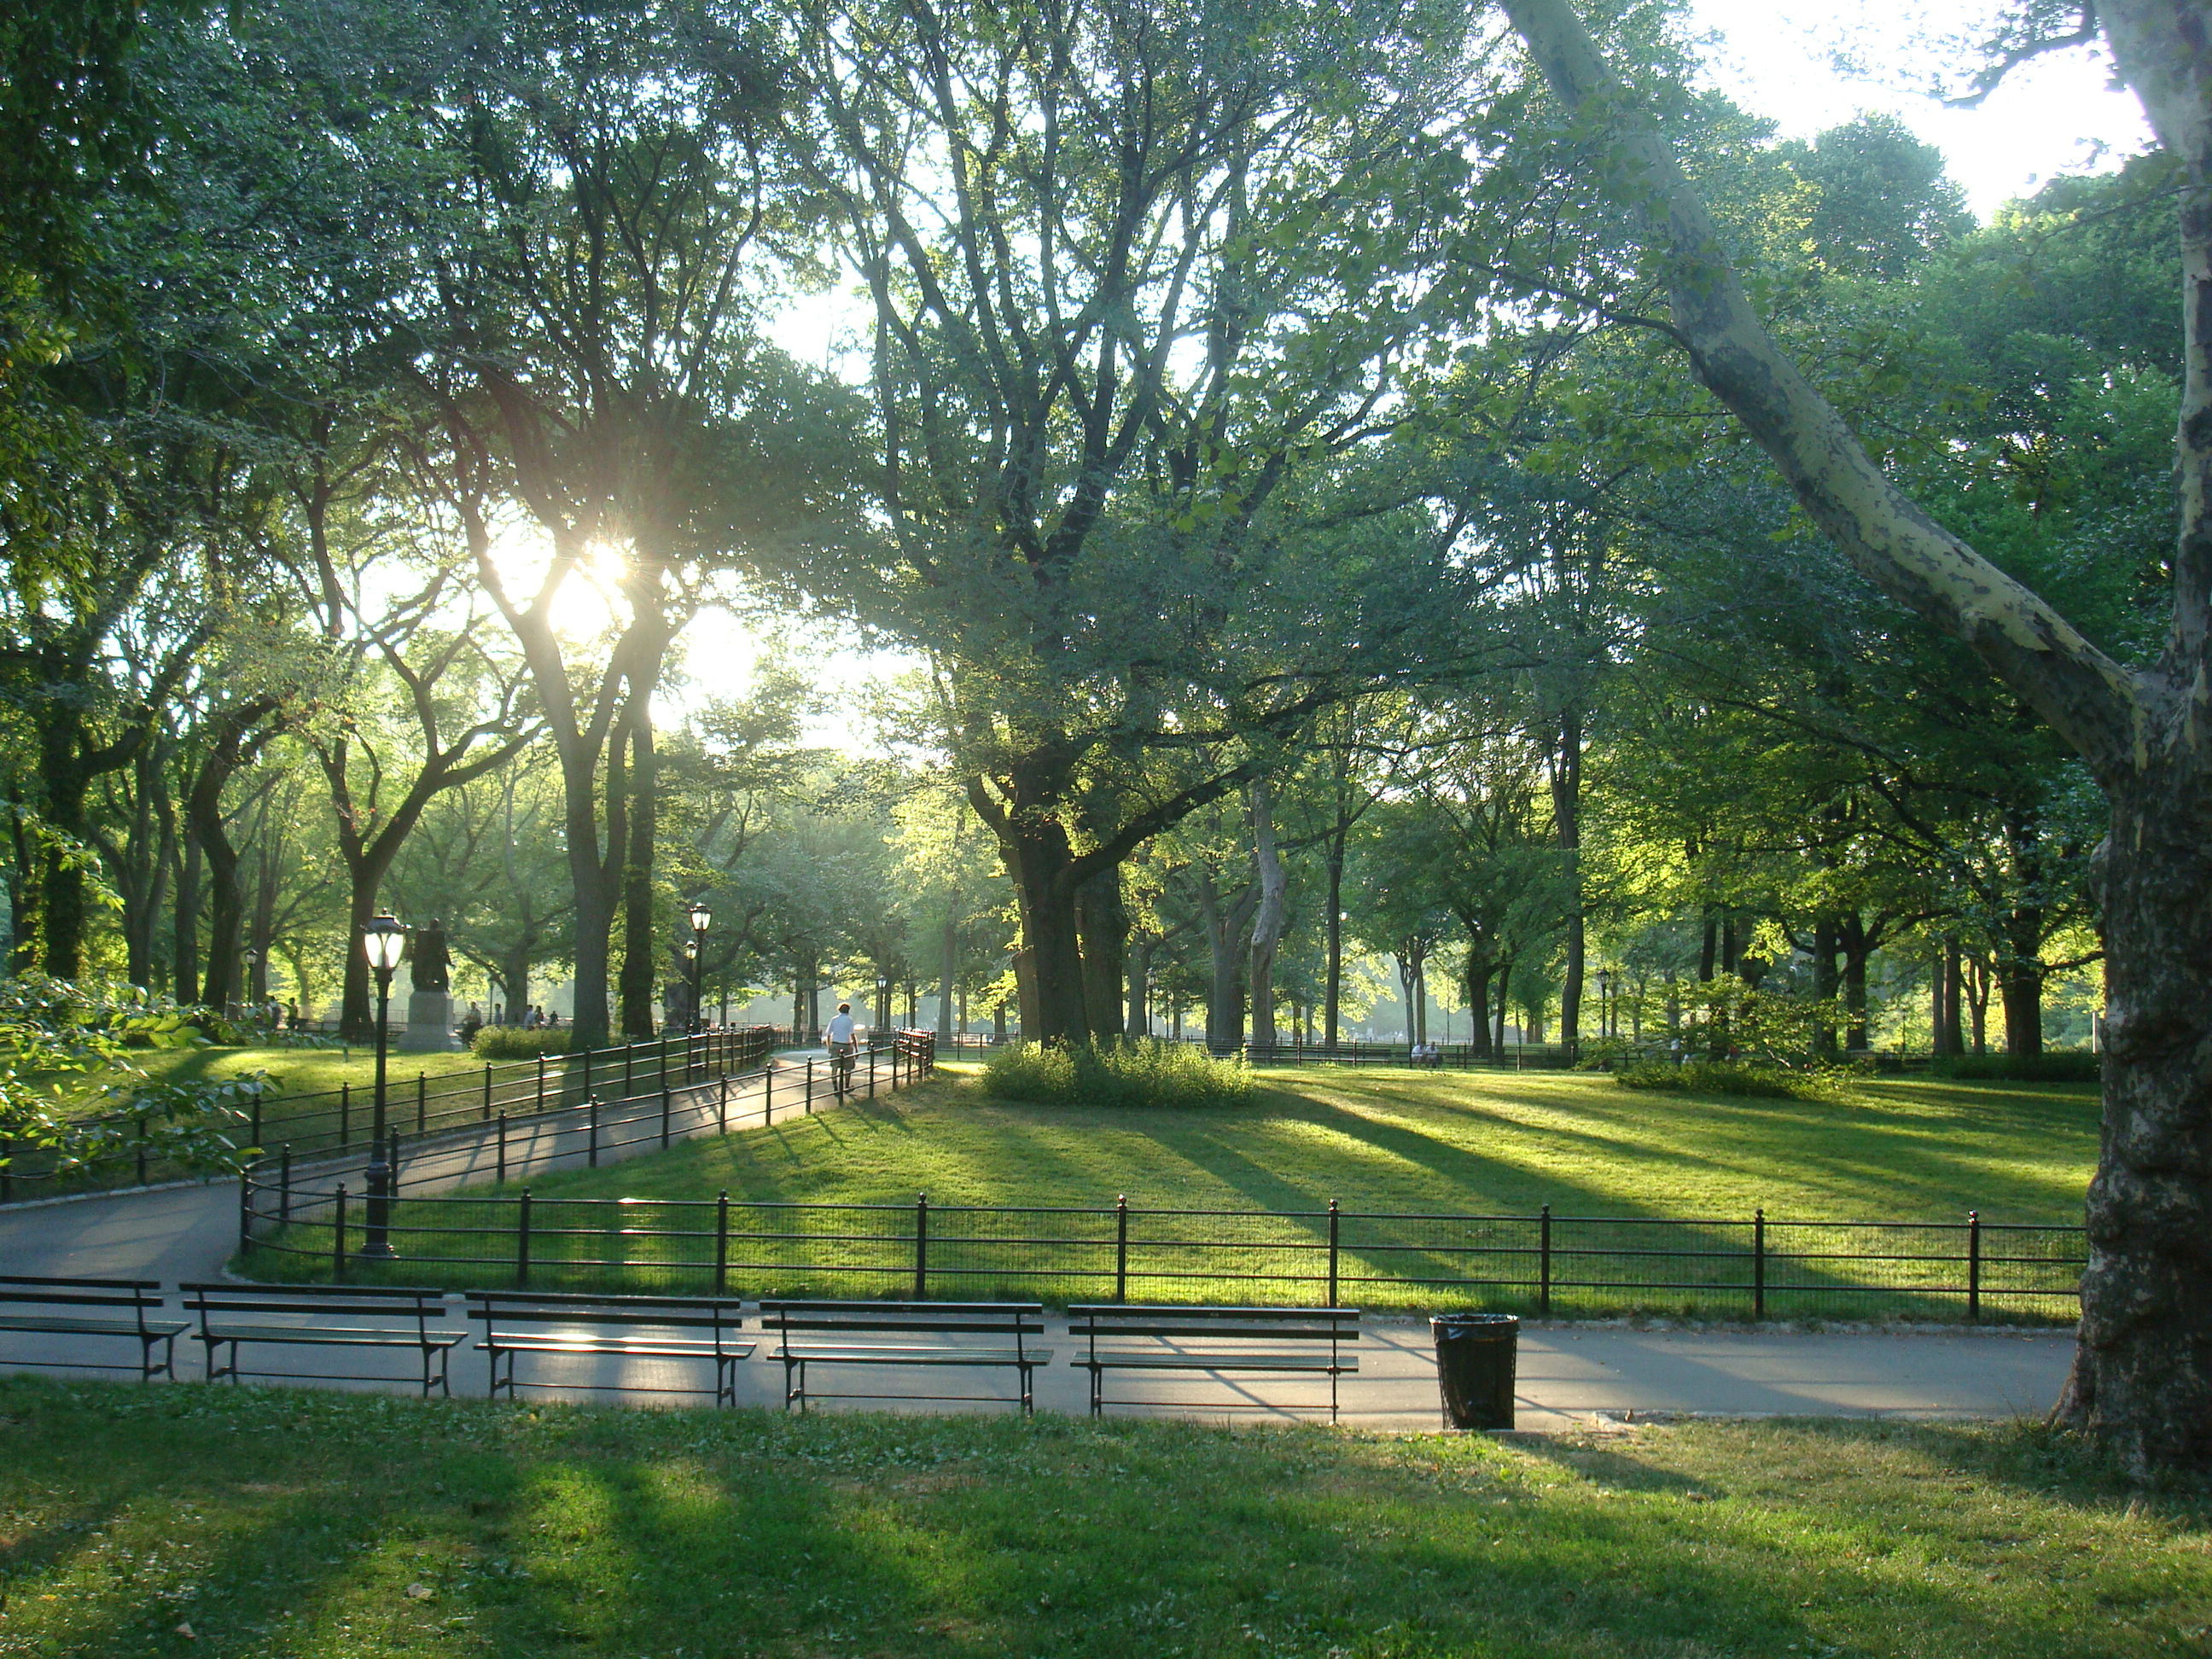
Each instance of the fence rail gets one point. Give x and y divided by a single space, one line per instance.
1755 1268
339 1119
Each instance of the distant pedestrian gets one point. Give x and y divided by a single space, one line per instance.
838 1038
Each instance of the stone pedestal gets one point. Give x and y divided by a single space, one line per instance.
429 1023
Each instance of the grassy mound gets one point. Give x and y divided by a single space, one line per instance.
1141 1071
260 1523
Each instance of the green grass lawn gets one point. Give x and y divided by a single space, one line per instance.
268 1524
1468 1143
304 1071
1405 1153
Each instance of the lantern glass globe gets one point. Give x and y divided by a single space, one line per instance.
382 938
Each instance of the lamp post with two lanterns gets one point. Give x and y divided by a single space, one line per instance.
703 918
383 938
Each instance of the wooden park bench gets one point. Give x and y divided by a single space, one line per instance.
643 1328
93 1306
237 1316
1289 1341
987 1335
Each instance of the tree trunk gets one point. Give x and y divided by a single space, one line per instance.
226 911
948 967
1948 992
185 932
594 885
1478 1008
1333 990
63 907
154 836
1567 816
1270 917
640 956
2141 1380
1053 951
1102 922
1824 981
1224 944
2021 986
229 748
1048 961
515 979
1139 1022
365 870
1851 939
1504 987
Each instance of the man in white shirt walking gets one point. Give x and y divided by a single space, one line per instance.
842 1045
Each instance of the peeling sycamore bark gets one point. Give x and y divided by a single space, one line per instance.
2143 1372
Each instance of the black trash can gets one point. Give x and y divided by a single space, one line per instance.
1475 1356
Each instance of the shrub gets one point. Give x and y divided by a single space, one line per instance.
2066 1066
1733 1077
512 1043
1121 1072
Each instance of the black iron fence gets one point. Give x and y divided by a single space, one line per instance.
1754 1267
339 1120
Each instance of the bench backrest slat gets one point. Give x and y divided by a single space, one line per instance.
1169 1309
908 1327
817 1306
83 1284
1225 1332
126 1301
1200 1325
320 1309
316 1293
513 1316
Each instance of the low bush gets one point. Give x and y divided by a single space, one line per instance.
1733 1077
2067 1066
1122 1072
512 1043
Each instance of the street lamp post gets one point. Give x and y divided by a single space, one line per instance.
884 999
252 959
382 938
1605 1022
703 918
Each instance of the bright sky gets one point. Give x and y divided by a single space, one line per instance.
2057 114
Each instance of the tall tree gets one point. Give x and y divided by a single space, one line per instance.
2143 1373
1137 272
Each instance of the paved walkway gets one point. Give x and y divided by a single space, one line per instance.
1568 1373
